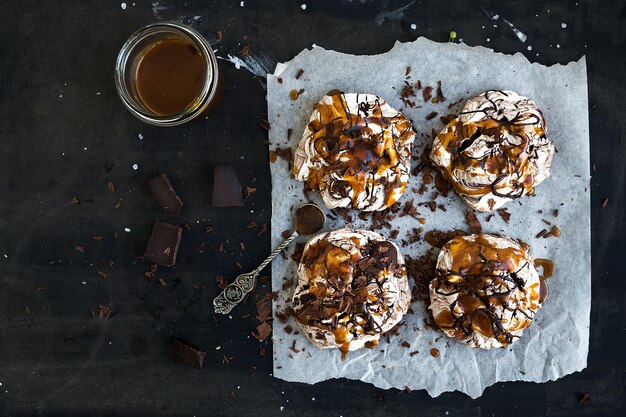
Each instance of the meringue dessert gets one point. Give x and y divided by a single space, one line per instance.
352 288
356 150
486 290
495 151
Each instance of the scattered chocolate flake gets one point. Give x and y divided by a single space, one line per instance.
250 225
282 316
280 80
473 222
79 248
264 123
208 229
605 202
27 310
162 282
187 353
408 70
219 35
422 270
284 153
438 238
405 344
431 115
543 232
289 132
439 97
102 274
74 201
98 238
488 218
221 282
264 229
118 204
447 118
245 51
415 352
149 274
555 212
506 216
432 205
288 329
394 233
418 85
546 222
102 312
264 308
584 399
110 186
299 73
343 213
427 93
263 330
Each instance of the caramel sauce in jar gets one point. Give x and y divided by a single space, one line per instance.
169 76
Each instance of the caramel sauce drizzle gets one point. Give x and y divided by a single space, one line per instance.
505 158
485 277
349 146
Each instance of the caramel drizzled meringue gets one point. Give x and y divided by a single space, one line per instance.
496 150
486 290
352 288
356 150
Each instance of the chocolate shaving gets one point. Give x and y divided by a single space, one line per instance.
506 216
605 202
221 282
299 73
473 222
431 115
263 330
284 153
427 93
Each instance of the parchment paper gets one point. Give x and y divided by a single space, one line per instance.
556 344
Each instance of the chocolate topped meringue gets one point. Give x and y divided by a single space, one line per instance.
496 150
356 150
485 291
352 288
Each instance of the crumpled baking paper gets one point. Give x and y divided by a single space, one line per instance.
556 344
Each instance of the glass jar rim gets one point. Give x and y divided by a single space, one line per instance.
204 97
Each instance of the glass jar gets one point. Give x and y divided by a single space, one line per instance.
127 71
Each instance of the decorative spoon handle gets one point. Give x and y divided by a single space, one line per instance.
244 283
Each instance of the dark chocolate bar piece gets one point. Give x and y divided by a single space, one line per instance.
164 193
227 190
186 353
163 244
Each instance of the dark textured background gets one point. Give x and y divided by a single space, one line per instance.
65 133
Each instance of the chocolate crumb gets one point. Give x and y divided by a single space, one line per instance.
432 115
427 93
299 73
605 202
543 232
79 248
110 186
221 282
506 216
584 398
473 222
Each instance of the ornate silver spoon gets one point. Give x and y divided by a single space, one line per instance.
309 219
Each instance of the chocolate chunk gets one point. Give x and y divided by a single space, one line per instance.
165 195
163 244
187 353
227 190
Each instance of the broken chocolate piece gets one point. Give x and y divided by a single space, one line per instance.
163 244
187 353
165 195
227 191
